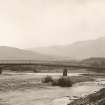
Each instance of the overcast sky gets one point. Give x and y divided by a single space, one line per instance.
33 23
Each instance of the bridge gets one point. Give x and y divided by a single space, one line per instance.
8 63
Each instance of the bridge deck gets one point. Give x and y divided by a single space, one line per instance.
46 63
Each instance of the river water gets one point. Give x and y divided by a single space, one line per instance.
50 95
80 90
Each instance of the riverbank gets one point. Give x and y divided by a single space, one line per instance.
97 98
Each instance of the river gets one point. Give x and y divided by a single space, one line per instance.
78 90
50 95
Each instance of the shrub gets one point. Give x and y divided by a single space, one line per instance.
55 82
63 81
47 79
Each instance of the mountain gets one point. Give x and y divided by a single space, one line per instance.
11 53
94 62
78 50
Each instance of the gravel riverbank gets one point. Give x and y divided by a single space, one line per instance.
97 98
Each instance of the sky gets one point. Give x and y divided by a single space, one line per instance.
34 23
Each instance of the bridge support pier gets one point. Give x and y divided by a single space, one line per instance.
1 70
65 72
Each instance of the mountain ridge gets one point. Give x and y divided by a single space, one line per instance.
78 50
11 53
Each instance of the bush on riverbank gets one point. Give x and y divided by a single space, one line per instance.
66 81
63 81
47 79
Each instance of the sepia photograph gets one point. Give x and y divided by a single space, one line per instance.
52 52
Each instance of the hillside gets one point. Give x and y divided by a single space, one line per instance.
9 53
78 50
97 62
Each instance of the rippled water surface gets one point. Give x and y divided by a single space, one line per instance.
49 95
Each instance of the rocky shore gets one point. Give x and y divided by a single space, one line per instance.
97 98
